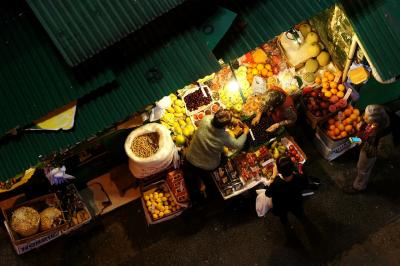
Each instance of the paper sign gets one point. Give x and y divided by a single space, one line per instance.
259 85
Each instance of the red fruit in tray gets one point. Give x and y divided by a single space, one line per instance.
342 103
215 108
195 117
323 105
275 70
293 159
200 116
208 112
307 90
334 99
291 147
314 94
332 108
276 59
297 157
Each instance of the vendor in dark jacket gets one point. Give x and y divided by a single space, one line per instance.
286 192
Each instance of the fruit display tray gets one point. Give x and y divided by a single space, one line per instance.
206 90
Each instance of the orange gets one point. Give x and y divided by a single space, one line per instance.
353 117
346 121
341 87
356 112
348 128
343 134
336 131
264 72
318 80
268 66
323 90
331 121
331 77
325 85
337 123
270 74
341 127
347 112
359 119
250 76
326 74
255 72
333 85
324 79
340 94
328 94
331 133
332 127
260 67
334 91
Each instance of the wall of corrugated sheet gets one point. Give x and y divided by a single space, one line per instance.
377 24
260 21
80 29
34 79
180 61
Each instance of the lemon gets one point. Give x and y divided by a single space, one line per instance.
188 121
166 208
312 37
156 212
170 110
178 109
164 199
158 200
160 194
180 140
173 97
182 123
148 203
179 103
167 212
151 196
146 197
155 216
161 214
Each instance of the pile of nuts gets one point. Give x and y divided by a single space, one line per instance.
145 145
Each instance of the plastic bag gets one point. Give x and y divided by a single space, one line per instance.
263 203
143 167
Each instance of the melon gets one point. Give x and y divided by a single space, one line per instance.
323 58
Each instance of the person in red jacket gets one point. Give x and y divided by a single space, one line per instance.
279 106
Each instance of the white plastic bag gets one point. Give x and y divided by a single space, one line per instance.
263 203
143 167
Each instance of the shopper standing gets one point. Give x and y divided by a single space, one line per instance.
376 134
286 192
206 147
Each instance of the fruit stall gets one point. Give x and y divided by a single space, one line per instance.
296 61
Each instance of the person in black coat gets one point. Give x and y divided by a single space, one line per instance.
286 192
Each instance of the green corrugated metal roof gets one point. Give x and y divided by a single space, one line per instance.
180 61
80 29
262 21
34 79
377 25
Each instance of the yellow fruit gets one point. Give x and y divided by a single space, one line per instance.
323 90
180 140
175 124
156 212
164 199
161 214
334 91
264 72
170 110
325 85
341 87
186 132
314 49
182 123
318 80
166 208
173 209
254 72
158 200
148 203
305 29
178 130
340 94
311 65
172 97
328 94
160 194
324 79
260 67
151 196
155 216
167 212
331 77
312 37
268 67
333 85
179 103
178 109
146 197
323 58
188 121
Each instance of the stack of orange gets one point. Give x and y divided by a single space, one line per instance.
263 70
344 124
331 89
